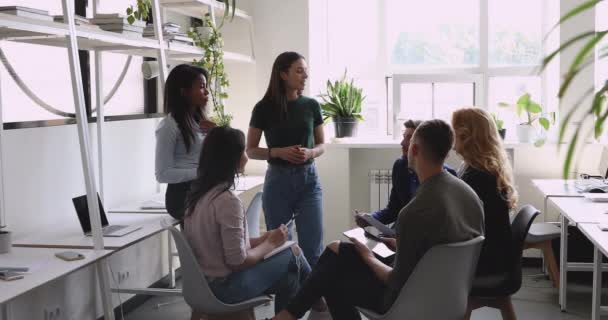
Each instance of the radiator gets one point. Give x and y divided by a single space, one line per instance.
380 181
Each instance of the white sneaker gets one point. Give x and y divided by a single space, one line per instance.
317 315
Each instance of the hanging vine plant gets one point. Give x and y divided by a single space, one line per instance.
213 60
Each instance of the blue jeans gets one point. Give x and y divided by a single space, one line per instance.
296 190
281 274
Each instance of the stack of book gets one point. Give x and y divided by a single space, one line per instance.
116 22
171 32
80 21
26 12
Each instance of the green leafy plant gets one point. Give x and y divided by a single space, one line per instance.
533 112
139 13
584 58
213 61
144 6
342 99
499 123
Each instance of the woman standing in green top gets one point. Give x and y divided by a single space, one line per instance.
293 128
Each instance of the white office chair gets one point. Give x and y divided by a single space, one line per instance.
196 290
439 286
253 215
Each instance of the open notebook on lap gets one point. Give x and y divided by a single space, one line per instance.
82 210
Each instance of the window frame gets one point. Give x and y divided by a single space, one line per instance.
400 79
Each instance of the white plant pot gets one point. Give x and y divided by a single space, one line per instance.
525 133
205 32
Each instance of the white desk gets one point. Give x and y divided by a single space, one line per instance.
578 211
242 184
72 237
555 188
45 267
600 242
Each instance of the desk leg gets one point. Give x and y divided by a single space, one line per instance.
563 262
170 255
5 311
104 288
597 284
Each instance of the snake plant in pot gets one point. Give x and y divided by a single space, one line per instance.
342 104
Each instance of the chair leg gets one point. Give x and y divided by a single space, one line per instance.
506 309
551 263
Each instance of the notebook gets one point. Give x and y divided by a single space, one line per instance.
377 247
285 245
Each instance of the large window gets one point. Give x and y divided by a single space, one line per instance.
441 55
433 33
466 39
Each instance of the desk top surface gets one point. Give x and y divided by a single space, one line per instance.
44 267
581 210
70 236
242 184
598 237
556 187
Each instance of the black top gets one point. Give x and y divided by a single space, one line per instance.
496 252
303 116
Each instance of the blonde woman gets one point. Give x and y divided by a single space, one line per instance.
487 170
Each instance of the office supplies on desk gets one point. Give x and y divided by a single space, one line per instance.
69 255
153 204
586 185
14 269
596 197
82 210
10 275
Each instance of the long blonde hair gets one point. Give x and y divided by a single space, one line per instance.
478 143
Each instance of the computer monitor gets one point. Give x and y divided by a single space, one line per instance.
82 210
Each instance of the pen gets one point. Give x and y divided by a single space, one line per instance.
289 223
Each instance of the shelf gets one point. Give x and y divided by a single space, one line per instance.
198 8
32 31
54 34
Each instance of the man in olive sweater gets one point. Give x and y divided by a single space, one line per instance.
443 210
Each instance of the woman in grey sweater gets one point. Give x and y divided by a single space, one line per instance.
179 136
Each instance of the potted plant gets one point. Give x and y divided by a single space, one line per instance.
213 61
533 114
342 104
499 125
202 28
144 7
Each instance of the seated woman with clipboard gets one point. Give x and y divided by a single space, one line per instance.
237 267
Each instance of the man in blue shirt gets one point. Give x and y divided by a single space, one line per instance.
404 180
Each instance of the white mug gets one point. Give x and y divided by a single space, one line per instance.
5 242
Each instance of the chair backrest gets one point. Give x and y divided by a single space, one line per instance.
439 286
195 288
253 215
519 231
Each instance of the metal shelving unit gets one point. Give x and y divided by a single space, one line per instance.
73 38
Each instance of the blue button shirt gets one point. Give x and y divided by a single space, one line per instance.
405 183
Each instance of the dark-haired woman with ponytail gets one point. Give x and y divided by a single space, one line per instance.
216 229
293 128
179 136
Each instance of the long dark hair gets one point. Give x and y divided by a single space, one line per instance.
182 77
218 163
276 92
